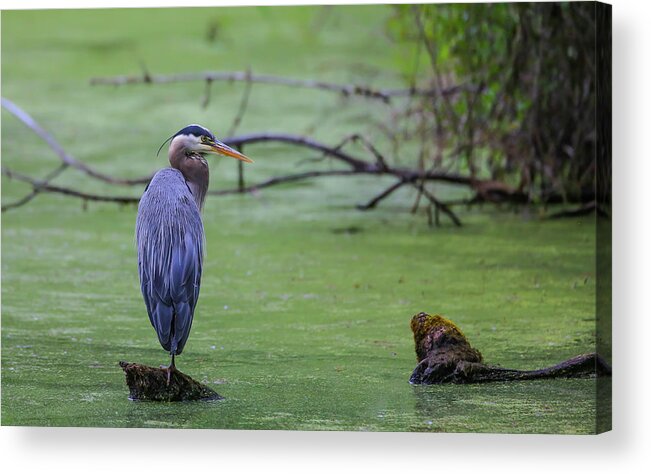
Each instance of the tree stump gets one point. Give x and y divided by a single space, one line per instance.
444 355
150 383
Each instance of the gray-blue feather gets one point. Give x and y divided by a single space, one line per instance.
170 240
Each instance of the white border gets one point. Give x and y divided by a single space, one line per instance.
626 449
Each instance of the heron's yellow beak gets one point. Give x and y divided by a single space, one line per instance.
220 148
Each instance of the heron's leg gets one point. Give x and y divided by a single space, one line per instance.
170 369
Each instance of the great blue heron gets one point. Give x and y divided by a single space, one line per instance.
170 237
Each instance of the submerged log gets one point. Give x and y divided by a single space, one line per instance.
150 383
445 356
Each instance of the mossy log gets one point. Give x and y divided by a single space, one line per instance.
150 383
444 355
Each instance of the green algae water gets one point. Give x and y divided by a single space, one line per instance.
303 317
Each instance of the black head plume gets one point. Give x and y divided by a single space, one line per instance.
193 129
196 130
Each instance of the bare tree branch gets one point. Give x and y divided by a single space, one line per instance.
357 166
346 90
282 180
387 192
356 137
43 186
439 205
244 103
355 163
206 96
35 190
66 158
238 141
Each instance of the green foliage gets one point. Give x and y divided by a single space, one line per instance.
529 111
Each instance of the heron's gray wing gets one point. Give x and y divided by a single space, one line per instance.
170 252
156 296
185 280
170 278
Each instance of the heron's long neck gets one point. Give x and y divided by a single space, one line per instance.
196 175
194 168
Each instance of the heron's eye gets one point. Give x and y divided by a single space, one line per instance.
204 139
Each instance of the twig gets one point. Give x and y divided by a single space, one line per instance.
145 72
244 103
387 192
438 89
346 90
421 166
43 186
298 140
476 199
26 119
381 161
232 141
584 209
206 96
281 180
355 137
438 204
35 190
358 166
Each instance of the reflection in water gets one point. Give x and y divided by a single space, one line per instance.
143 414
537 406
434 405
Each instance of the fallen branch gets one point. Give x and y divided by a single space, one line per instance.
35 190
439 205
356 137
356 165
244 103
444 355
347 90
384 194
32 124
151 384
44 186
583 210
281 180
239 141
299 140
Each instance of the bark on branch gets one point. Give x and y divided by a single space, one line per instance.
281 180
444 355
35 189
346 90
298 140
378 165
384 194
43 186
151 384
439 205
66 158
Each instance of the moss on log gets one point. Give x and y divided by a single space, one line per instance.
150 383
444 355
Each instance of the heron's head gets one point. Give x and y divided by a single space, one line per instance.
197 139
